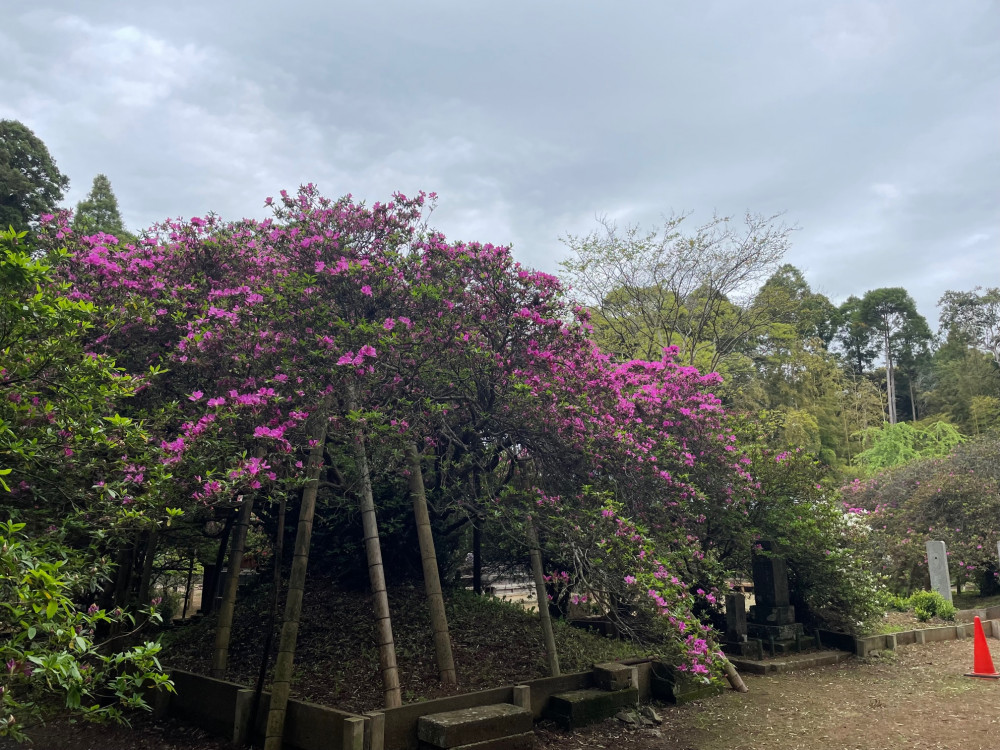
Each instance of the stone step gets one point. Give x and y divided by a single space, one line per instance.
790 662
525 741
472 727
805 643
578 708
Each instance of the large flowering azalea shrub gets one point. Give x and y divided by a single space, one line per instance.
235 334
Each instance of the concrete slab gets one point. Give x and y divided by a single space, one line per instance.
578 708
791 663
524 741
466 726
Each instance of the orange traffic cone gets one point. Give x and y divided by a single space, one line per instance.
982 662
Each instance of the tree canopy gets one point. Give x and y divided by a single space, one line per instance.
30 182
98 211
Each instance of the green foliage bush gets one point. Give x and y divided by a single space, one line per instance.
832 567
899 603
928 604
48 650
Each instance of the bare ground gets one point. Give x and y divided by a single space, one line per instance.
916 698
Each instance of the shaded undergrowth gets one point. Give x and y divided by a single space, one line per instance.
494 643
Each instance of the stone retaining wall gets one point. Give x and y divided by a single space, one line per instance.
987 613
863 645
223 709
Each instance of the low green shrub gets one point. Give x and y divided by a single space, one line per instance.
899 603
928 604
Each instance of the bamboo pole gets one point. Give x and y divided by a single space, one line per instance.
376 577
543 598
224 626
282 684
432 578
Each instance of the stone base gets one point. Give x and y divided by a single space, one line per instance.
613 676
790 662
805 643
525 741
680 690
578 708
767 633
763 615
749 649
473 726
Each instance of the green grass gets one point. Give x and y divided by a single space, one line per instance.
974 601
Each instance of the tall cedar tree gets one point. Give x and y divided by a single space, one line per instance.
98 212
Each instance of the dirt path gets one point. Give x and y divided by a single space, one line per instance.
916 698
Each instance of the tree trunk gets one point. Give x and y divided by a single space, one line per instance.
187 586
543 598
890 379
126 574
913 402
147 566
224 627
432 578
210 589
265 657
477 535
282 684
109 595
477 555
376 576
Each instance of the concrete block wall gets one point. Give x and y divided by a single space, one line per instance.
223 709
866 644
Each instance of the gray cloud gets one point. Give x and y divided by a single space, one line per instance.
872 125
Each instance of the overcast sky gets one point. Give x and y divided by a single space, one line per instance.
875 126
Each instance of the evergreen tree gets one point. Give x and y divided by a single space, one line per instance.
855 336
903 333
30 183
98 212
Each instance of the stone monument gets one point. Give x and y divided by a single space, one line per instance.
735 641
937 562
772 618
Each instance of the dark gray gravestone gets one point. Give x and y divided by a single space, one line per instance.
770 579
770 589
736 618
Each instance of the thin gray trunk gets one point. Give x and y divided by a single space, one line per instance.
281 686
543 598
224 627
376 576
187 587
890 380
477 555
265 656
210 589
147 566
432 578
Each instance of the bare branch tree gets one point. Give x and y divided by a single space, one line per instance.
657 288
